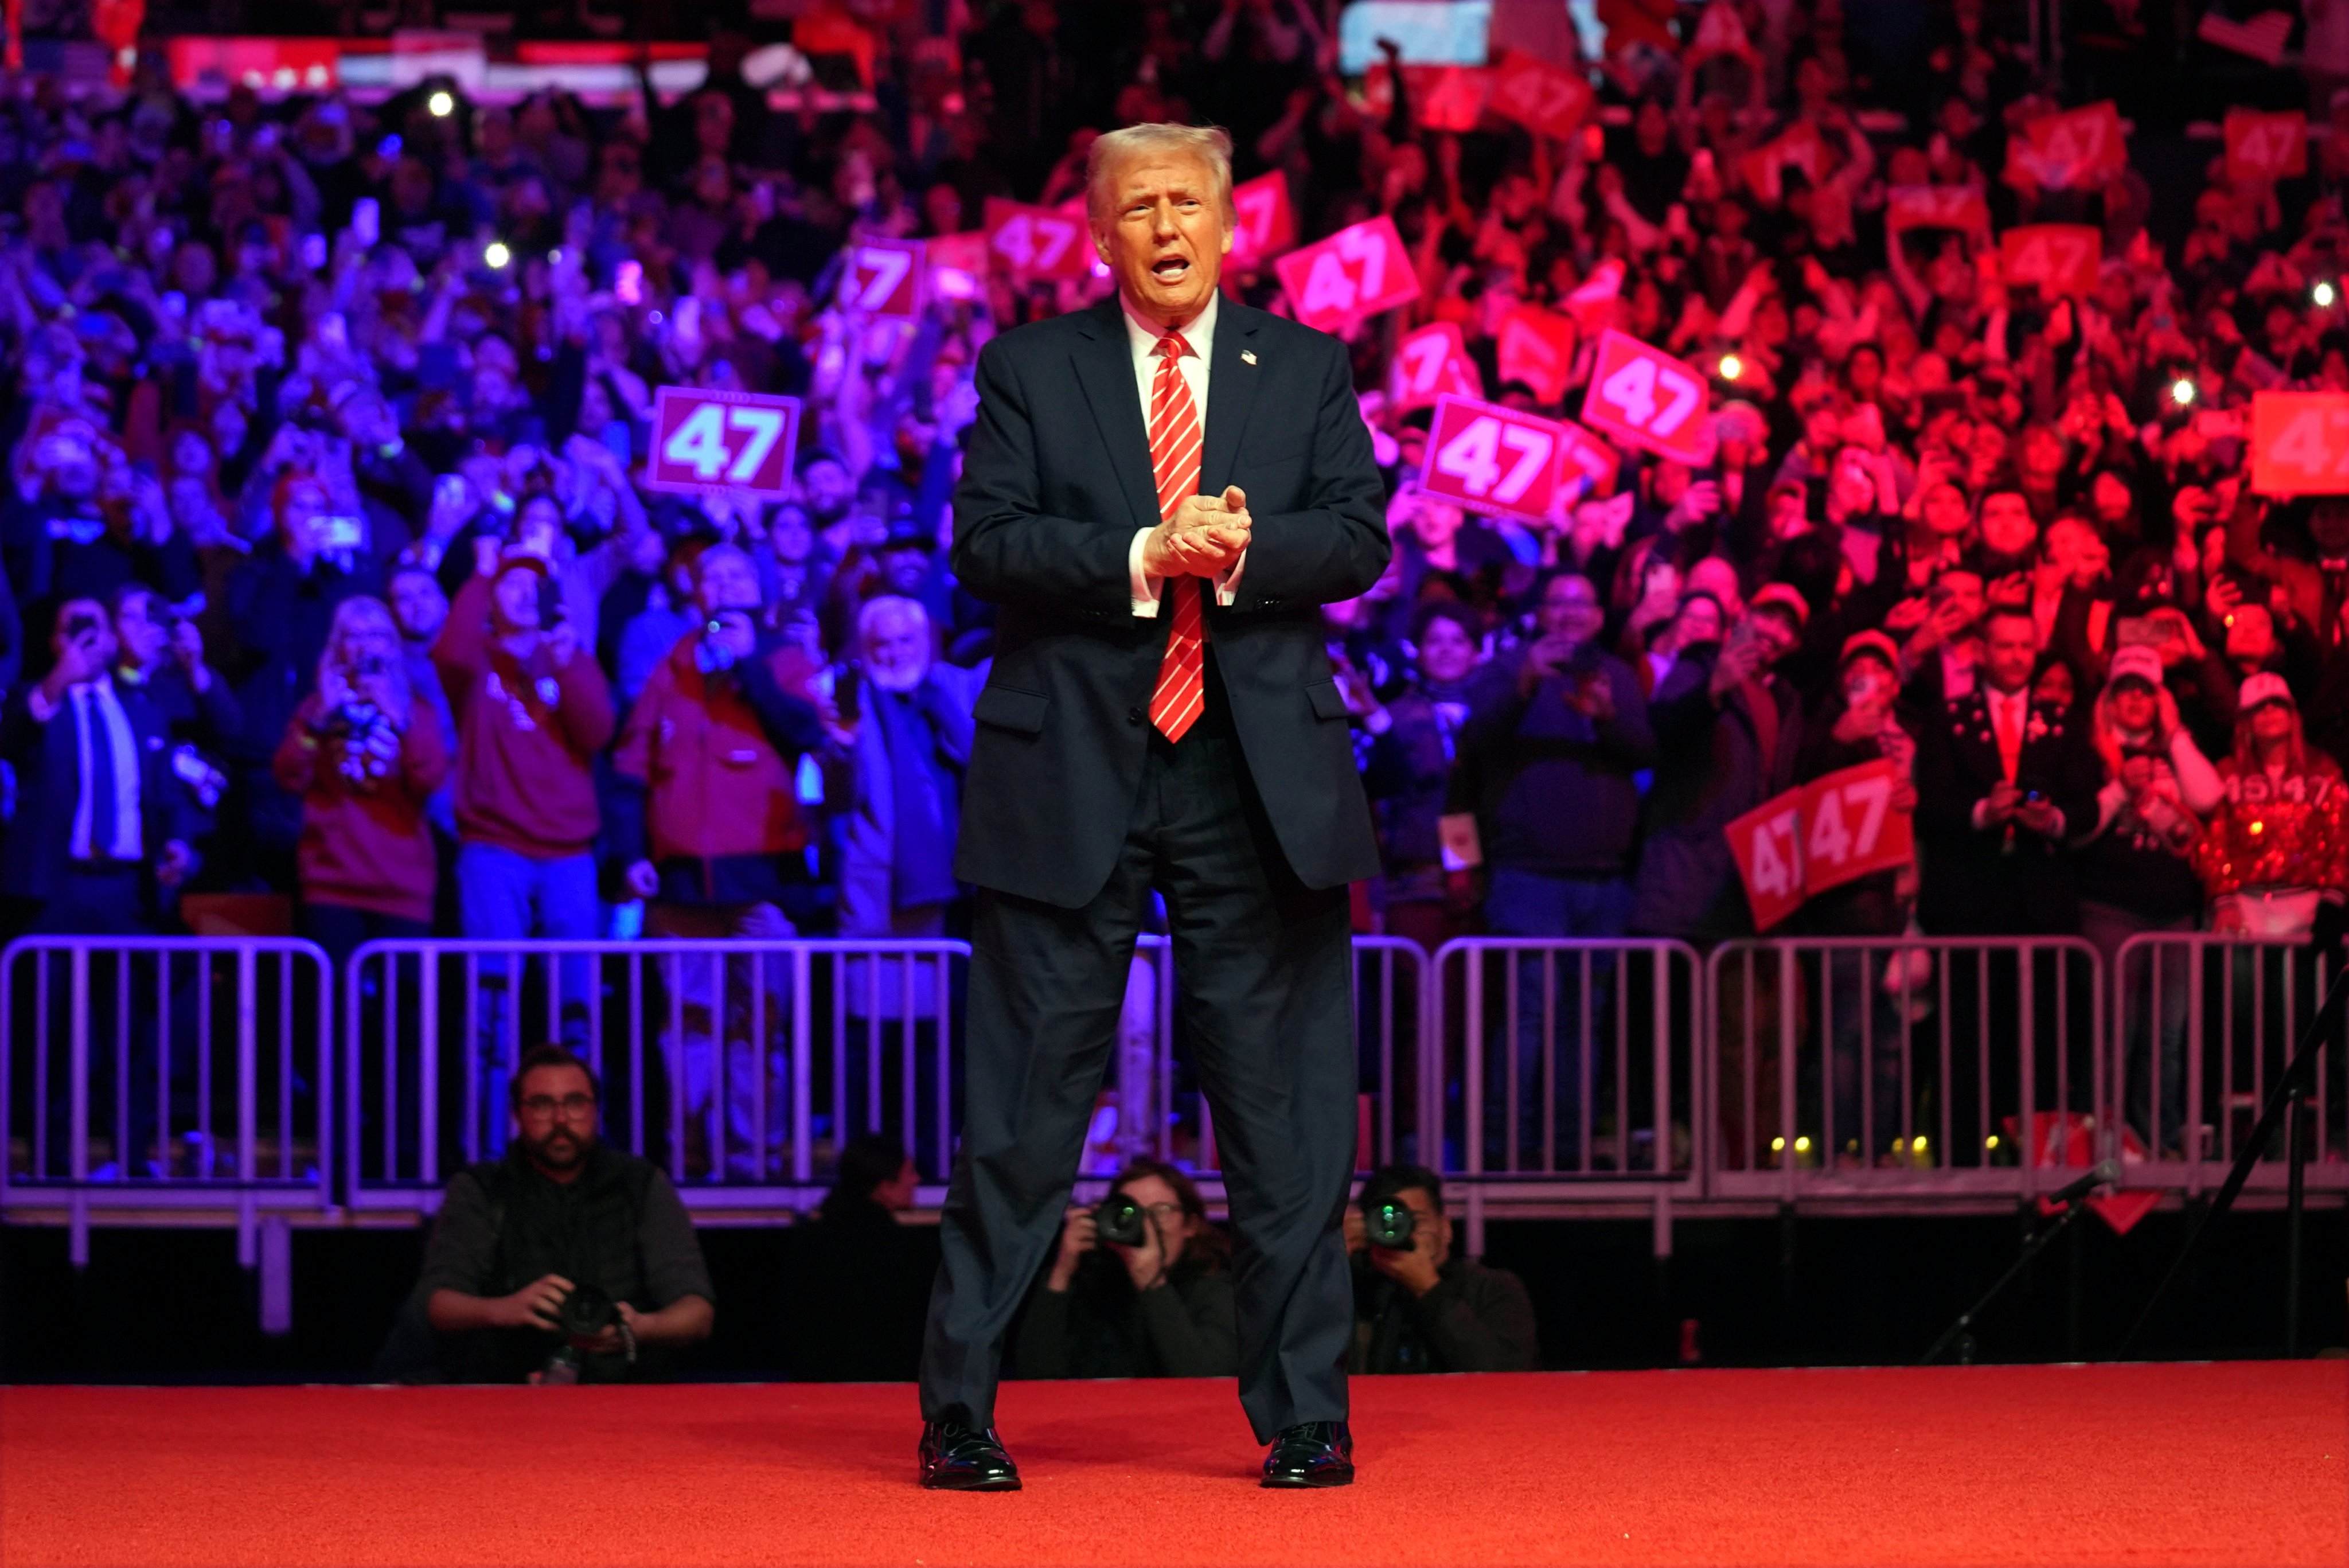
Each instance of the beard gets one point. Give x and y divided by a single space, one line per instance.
561 1149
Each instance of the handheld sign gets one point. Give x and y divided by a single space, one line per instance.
1586 459
1268 225
1358 271
1537 346
1543 98
2265 147
2078 149
1835 828
1959 207
1431 363
707 441
955 266
1036 242
1443 97
2061 258
884 278
1647 399
2300 443
1491 459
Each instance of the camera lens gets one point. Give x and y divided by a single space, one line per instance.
588 1311
1119 1220
1391 1225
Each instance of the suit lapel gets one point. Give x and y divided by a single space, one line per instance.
1104 366
1231 394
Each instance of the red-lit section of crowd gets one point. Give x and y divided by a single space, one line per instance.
332 577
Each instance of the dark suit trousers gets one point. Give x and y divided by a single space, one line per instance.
1263 980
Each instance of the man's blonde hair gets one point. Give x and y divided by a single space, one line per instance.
1210 144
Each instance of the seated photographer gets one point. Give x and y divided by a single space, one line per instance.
1417 1308
859 1279
1163 1308
564 1261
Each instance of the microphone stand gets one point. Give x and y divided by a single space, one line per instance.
1961 1332
2286 1099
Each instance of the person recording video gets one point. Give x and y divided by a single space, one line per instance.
566 1260
1159 1306
1417 1308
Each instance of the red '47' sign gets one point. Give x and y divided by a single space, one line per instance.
1491 459
1647 398
2061 258
2075 150
1036 242
2266 147
1819 836
705 441
884 278
1358 271
1431 363
1539 96
1267 226
2300 443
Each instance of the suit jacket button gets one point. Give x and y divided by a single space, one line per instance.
1136 716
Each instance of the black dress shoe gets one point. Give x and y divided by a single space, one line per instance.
956 1458
1312 1453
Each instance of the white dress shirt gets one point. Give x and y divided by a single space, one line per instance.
1142 338
99 721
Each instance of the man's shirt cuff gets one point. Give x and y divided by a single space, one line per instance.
1145 588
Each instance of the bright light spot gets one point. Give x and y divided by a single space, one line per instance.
1802 1146
554 256
496 253
1918 1143
441 105
1731 366
1777 1146
2324 295
2181 391
1990 1142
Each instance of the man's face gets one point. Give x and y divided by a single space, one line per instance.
555 1116
828 491
2250 635
897 652
140 635
418 605
725 580
515 597
904 569
1772 634
2006 526
1164 234
2009 648
1569 609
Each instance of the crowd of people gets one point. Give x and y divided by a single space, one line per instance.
332 572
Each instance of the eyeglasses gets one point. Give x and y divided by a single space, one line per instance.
1161 1211
572 1107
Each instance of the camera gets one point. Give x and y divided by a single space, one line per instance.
585 1314
341 533
1121 1221
1392 1224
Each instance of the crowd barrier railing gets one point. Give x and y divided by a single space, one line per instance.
2203 1024
1910 1067
1576 1066
738 1066
185 1079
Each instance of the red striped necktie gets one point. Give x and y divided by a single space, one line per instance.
1175 439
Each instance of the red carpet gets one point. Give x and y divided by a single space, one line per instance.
2235 1464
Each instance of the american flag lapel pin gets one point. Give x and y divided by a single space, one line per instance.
1248 356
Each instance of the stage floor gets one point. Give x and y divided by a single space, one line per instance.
2241 1463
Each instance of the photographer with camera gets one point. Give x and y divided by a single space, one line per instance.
566 1261
1417 1308
1142 1287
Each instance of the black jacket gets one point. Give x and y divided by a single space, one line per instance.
1056 482
1999 881
47 762
1101 1326
1475 1319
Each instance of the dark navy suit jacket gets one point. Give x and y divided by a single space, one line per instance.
1055 482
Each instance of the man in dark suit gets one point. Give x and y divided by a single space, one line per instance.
2002 781
1160 494
102 827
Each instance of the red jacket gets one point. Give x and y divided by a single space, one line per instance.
526 735
706 748
365 846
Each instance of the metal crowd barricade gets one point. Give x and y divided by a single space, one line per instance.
1868 1067
739 1066
187 1075
1577 1068
2203 1024
1397 1103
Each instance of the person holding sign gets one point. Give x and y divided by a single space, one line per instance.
1161 494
